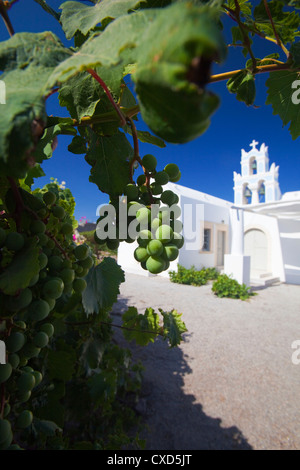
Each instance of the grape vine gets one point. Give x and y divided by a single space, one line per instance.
62 365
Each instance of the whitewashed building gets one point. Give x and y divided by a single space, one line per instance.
256 239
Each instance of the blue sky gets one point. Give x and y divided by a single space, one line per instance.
206 164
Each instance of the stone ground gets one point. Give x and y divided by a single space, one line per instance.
231 384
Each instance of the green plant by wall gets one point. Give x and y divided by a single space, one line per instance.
192 276
225 286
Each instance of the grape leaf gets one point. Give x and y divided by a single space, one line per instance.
76 16
48 9
295 53
245 6
280 96
141 328
243 84
27 60
102 289
61 364
92 353
23 267
173 65
174 327
47 144
286 22
146 137
105 154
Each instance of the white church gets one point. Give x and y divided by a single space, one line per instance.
255 240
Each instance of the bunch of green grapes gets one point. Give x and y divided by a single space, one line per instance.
158 232
26 323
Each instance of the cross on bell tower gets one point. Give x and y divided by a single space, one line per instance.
257 183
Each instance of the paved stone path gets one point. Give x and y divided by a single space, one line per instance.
231 384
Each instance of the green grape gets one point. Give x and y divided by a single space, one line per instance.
81 252
172 170
67 229
2 236
67 263
34 280
78 269
174 180
87 263
178 240
155 264
149 162
51 303
164 233
141 180
43 260
41 339
5 372
21 324
162 178
82 273
27 369
14 360
58 212
98 240
171 252
6 410
144 237
24 396
155 248
20 301
50 244
112 244
68 289
24 419
43 239
155 224
143 265
79 285
146 198
14 241
37 227
39 310
30 350
156 189
49 198
43 275
168 197
6 435
143 215
131 191
42 213
38 377
141 254
67 275
48 328
15 341
25 382
55 263
53 288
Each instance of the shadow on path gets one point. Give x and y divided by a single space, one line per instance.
174 419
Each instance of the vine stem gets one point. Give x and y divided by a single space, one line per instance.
5 17
259 69
247 43
109 96
70 323
278 41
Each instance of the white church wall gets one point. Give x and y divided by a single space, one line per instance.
290 243
269 226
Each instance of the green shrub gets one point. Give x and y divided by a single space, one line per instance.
225 286
192 276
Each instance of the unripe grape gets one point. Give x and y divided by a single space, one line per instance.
41 339
34 280
25 382
6 435
162 178
82 273
20 301
149 162
50 244
155 265
55 263
172 170
131 191
168 197
81 252
171 252
178 240
58 212
43 239
155 224
6 410
67 275
53 289
164 233
38 377
156 189
141 180
37 227
23 397
30 350
49 198
51 303
15 341
79 285
39 310
43 260
24 419
67 229
48 328
174 180
143 215
5 372
112 244
2 236
14 241
144 237
155 248
140 254
14 360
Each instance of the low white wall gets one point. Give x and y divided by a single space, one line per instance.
290 244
